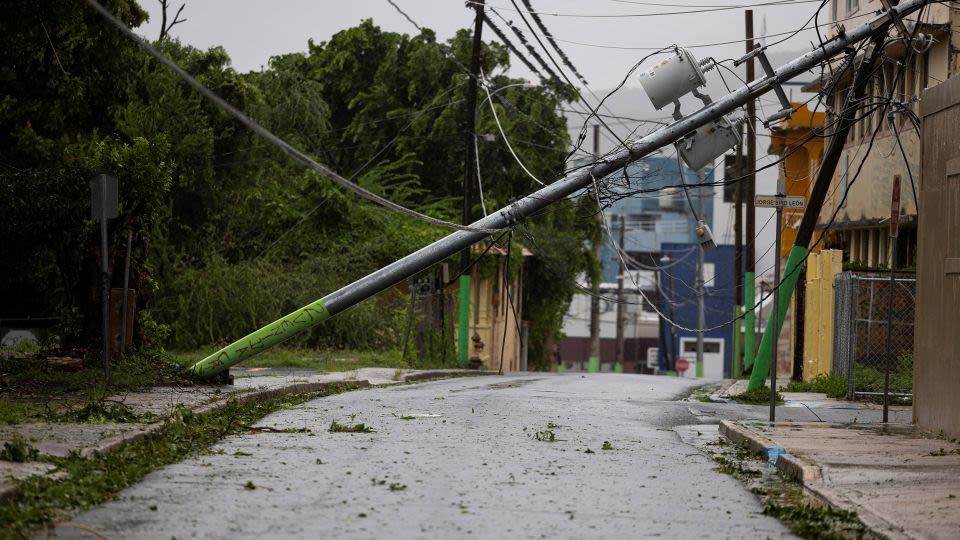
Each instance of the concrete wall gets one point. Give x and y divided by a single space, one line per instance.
936 368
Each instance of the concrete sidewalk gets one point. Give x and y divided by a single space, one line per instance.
901 483
155 404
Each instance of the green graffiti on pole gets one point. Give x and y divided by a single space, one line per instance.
463 330
264 338
761 366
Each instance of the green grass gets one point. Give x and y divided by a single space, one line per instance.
32 391
12 412
832 385
89 482
760 396
319 360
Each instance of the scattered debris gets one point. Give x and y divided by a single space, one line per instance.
336 427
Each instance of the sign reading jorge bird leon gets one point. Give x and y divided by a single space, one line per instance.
779 201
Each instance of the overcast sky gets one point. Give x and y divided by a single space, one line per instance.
253 31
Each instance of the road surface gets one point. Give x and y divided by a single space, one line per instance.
475 461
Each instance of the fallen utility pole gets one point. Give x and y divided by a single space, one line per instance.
798 253
342 299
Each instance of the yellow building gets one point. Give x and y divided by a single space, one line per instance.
797 141
497 328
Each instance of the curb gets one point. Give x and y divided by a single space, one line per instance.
429 375
810 476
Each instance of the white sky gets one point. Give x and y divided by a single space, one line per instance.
253 31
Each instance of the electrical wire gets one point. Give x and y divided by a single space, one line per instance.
546 33
510 45
496 118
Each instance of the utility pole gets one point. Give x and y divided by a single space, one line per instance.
701 312
749 275
469 166
846 118
593 362
569 185
621 306
777 316
738 265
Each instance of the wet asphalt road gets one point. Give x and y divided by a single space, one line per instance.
469 465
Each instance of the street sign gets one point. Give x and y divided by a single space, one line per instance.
682 365
103 197
652 354
895 207
779 201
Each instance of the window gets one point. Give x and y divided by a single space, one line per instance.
851 6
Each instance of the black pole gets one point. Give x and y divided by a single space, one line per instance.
126 288
750 165
104 282
891 358
470 127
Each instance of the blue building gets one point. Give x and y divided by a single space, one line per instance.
678 300
658 214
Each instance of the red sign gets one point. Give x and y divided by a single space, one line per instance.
895 207
682 365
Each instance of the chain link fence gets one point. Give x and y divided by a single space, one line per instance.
860 348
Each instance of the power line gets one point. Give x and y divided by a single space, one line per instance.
523 39
710 9
566 61
503 38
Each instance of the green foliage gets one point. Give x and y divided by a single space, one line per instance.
816 522
229 233
759 396
323 360
834 386
222 302
12 412
18 450
337 427
869 379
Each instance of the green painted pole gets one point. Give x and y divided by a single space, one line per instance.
264 338
798 255
463 323
750 320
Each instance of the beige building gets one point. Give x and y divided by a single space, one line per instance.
861 202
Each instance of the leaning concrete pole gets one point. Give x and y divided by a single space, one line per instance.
342 299
798 253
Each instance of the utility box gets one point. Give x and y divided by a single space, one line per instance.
709 142
671 78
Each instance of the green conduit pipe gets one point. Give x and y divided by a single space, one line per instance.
264 338
463 323
761 367
750 321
